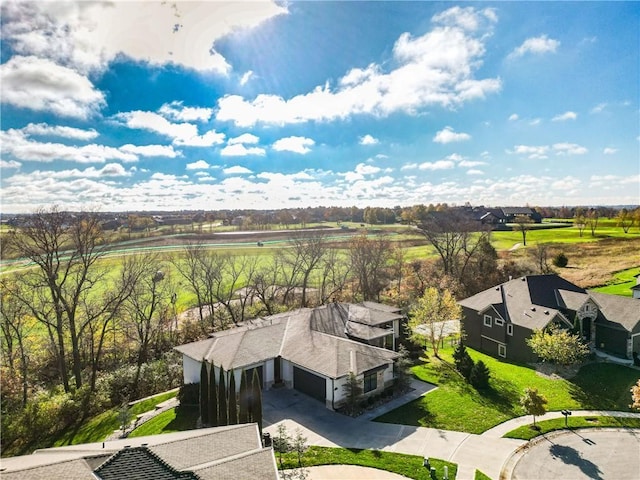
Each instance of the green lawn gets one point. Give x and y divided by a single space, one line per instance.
527 432
621 283
99 427
455 405
173 420
410 466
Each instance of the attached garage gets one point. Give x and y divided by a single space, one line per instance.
260 375
612 340
309 383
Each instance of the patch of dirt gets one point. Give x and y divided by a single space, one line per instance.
556 372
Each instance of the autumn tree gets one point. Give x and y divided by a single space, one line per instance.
533 403
635 396
427 318
304 256
557 345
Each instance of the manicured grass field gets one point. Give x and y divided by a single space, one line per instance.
527 432
410 466
99 427
621 283
455 405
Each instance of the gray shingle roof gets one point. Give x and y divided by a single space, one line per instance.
258 464
77 469
614 309
312 338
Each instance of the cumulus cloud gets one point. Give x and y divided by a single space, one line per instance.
368 140
361 171
236 170
244 138
177 111
181 133
151 150
513 117
39 84
86 36
569 149
43 129
246 77
438 165
565 116
435 69
447 135
531 151
199 165
239 150
537 46
610 151
9 164
293 144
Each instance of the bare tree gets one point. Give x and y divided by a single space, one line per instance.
523 225
65 250
541 258
369 259
625 220
592 218
454 236
304 256
333 276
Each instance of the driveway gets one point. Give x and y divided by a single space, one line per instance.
323 427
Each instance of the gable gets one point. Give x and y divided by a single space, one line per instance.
623 312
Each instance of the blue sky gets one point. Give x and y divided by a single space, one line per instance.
212 105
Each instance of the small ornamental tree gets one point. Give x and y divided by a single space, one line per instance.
213 398
560 260
281 442
463 361
299 445
557 345
353 391
533 403
402 370
204 394
233 400
635 396
223 419
479 376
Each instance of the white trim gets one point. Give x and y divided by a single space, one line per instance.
499 321
493 340
487 321
504 350
510 329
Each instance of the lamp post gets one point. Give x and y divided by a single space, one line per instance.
566 414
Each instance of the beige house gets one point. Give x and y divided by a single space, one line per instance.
312 350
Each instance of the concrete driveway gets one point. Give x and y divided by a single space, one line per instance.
323 427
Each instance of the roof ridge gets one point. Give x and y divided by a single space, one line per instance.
231 458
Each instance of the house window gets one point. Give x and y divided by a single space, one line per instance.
499 321
370 382
502 350
510 329
487 320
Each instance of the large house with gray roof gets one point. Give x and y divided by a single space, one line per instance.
311 349
499 320
222 453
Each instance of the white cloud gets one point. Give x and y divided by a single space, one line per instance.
533 152
16 144
569 149
609 151
236 170
409 166
199 165
439 165
474 171
565 116
447 135
601 107
368 140
535 121
41 85
88 35
239 150
361 171
293 144
246 77
151 150
513 117
536 45
180 133
177 111
244 138
43 129
435 69
9 164
471 163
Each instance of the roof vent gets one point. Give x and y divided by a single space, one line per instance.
546 312
524 279
533 309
